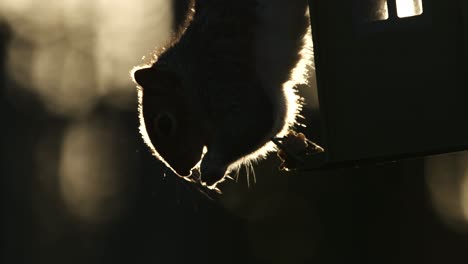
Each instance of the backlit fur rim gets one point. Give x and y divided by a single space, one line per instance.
293 101
153 59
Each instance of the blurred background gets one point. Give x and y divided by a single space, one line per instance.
79 185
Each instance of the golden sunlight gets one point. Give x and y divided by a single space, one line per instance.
74 54
94 179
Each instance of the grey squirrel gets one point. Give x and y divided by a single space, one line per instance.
225 86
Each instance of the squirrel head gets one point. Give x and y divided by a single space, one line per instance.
171 118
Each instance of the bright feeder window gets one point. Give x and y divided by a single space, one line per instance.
409 8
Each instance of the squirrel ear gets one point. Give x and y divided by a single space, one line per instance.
157 81
143 76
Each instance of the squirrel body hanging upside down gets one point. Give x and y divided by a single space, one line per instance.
225 86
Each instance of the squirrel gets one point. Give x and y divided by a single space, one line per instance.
215 96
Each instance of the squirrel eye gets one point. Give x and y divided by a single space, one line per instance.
165 124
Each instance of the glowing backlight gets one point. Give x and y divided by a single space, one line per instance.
409 8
